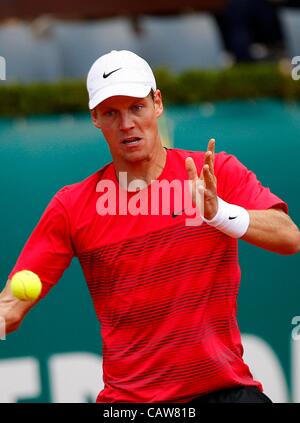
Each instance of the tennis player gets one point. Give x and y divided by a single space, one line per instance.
165 292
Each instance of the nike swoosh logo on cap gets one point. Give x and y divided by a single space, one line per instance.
106 75
232 217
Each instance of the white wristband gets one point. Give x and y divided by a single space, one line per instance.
231 219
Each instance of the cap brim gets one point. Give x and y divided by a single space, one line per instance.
130 90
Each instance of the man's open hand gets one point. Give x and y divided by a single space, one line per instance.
206 183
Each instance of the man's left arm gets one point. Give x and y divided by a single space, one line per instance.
271 229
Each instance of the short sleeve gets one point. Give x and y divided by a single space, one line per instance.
48 251
236 184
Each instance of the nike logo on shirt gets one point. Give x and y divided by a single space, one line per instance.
177 214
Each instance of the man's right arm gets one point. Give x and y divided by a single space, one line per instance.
12 310
48 253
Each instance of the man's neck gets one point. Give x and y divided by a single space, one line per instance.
145 170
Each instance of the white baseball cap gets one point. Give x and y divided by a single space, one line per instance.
119 73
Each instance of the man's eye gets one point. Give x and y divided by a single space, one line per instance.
138 107
109 113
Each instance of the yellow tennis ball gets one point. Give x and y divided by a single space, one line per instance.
26 285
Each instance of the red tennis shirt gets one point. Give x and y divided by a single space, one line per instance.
165 293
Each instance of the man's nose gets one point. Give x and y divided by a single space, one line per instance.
126 121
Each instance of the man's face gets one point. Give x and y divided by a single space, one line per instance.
129 125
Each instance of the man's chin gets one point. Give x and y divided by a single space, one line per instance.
135 156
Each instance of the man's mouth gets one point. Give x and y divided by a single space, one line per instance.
131 140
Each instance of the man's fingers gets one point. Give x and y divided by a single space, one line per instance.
211 147
208 160
208 178
210 155
191 168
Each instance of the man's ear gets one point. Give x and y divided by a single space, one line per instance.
94 116
158 104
